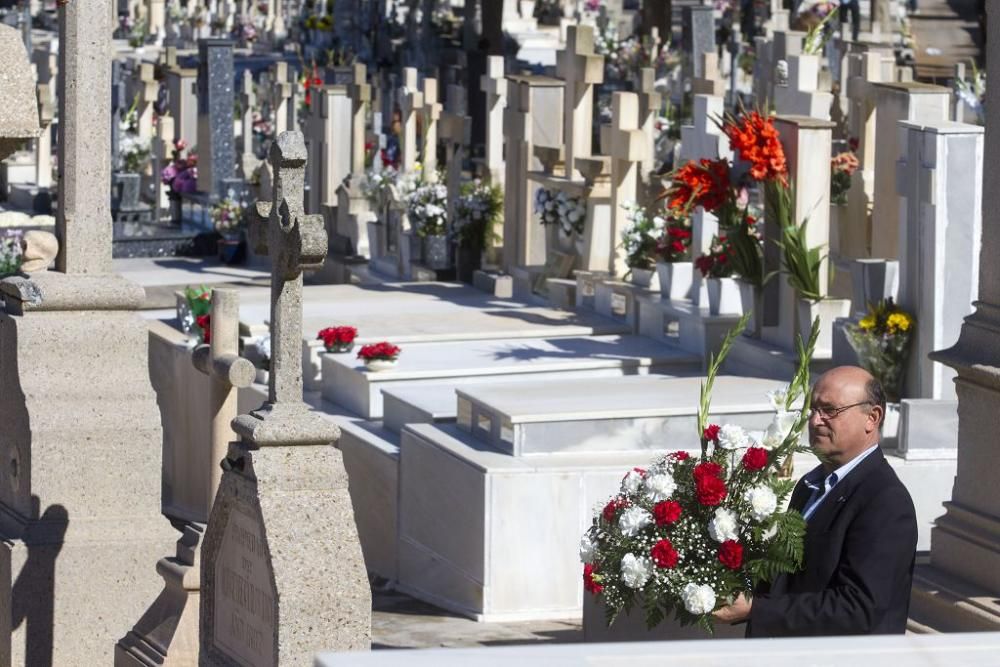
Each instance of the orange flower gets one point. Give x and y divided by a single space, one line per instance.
704 183
756 141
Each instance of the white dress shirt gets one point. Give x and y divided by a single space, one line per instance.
821 486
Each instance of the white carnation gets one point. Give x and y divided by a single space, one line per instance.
659 487
732 436
724 526
633 520
779 429
698 598
588 549
632 482
778 398
762 501
636 571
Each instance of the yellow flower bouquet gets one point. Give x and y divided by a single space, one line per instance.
881 340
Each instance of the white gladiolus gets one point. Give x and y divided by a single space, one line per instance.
778 398
588 549
636 571
659 487
698 598
781 425
763 502
633 520
724 526
732 437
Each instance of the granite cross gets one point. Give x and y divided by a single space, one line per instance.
295 242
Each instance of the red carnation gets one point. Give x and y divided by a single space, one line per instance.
680 456
731 554
611 509
711 490
707 469
666 512
205 322
755 459
663 554
711 433
589 584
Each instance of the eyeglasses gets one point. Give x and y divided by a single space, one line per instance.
829 412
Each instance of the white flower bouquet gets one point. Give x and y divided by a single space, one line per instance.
557 208
640 236
376 186
687 535
426 207
477 211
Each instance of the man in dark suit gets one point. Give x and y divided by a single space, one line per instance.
861 533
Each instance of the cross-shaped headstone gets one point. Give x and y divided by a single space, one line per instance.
295 242
710 82
361 94
581 68
455 129
162 146
650 102
494 86
628 149
248 101
281 91
411 100
149 88
431 114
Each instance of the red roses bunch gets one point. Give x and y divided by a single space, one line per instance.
338 339
379 352
687 534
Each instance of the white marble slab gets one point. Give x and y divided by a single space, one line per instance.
423 404
347 382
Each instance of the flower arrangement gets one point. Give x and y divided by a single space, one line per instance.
309 82
717 262
243 29
228 215
10 254
675 244
639 238
687 534
383 351
477 211
427 209
132 150
973 93
842 167
557 208
180 175
377 186
338 339
881 340
196 311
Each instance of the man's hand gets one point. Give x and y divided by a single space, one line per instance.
738 611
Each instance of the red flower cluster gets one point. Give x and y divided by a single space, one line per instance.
308 83
589 584
845 162
755 459
755 139
611 509
704 183
205 322
710 488
675 243
334 336
731 554
711 433
383 350
666 512
680 456
663 554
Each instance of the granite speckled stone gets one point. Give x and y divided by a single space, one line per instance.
19 111
216 144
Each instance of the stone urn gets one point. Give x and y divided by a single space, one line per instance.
676 279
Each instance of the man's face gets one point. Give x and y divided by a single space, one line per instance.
840 437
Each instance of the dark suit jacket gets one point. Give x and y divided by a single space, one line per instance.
859 552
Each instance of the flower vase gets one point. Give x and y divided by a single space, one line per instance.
676 279
642 277
435 251
752 300
176 211
723 296
340 348
376 365
827 310
232 248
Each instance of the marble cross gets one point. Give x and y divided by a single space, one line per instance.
295 242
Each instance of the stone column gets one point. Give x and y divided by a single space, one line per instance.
304 578
43 145
182 88
650 102
581 69
248 101
411 100
431 112
353 212
494 87
628 148
216 147
162 153
281 91
148 87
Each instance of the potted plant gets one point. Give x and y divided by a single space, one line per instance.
337 340
229 220
195 305
881 339
639 241
674 268
427 210
716 269
379 356
477 212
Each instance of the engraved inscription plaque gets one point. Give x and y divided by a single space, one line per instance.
245 606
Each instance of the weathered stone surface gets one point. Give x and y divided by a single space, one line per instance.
19 111
38 249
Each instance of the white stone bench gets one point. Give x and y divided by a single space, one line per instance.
347 382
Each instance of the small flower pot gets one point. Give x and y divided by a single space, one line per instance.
723 296
642 277
376 365
676 279
340 348
827 310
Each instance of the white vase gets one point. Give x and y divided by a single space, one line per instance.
723 296
827 310
753 302
376 365
642 277
676 279
890 426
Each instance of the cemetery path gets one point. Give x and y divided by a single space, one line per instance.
946 32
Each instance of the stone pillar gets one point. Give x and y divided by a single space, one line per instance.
281 91
431 113
216 147
162 153
650 102
411 101
43 145
494 87
581 69
156 20
182 89
330 144
800 95
248 101
939 177
919 102
697 37
628 148
353 212
148 88
304 574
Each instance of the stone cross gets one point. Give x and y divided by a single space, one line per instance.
697 37
162 152
84 218
431 112
582 69
295 242
360 93
281 91
149 88
710 82
628 149
411 101
650 102
494 86
455 129
801 95
248 101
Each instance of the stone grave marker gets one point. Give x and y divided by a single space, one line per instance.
582 69
697 37
494 87
216 145
411 101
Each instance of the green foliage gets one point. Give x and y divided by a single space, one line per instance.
714 364
478 211
801 263
199 300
